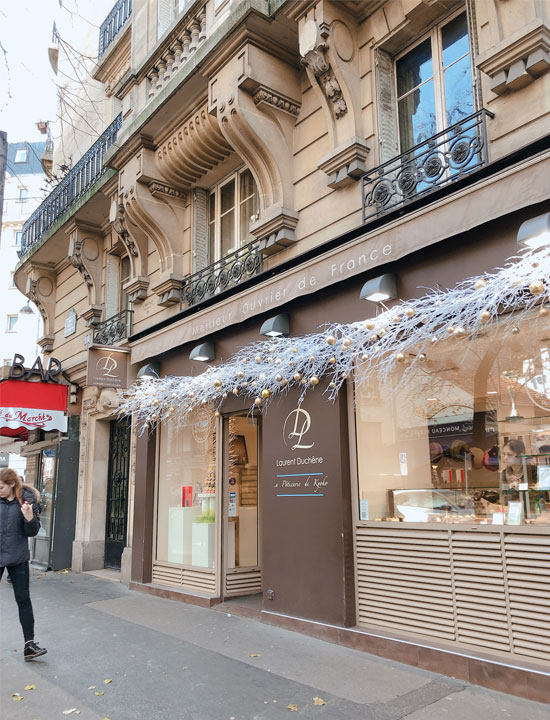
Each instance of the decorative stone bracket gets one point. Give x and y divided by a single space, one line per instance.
41 290
329 50
154 210
86 255
519 59
257 120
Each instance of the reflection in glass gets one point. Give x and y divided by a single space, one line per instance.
242 489
417 118
46 487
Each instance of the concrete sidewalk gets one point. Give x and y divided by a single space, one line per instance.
168 660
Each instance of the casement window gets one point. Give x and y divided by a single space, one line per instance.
424 89
125 275
232 207
23 194
11 323
21 156
18 237
434 83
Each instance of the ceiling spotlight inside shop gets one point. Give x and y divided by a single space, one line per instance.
203 352
26 310
535 232
151 370
380 289
276 326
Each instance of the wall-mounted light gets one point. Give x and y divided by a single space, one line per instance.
151 371
276 326
535 232
26 310
380 289
203 352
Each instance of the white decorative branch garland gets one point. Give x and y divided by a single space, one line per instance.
401 336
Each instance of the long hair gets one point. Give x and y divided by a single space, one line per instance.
9 477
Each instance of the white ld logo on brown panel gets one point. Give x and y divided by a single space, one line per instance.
107 368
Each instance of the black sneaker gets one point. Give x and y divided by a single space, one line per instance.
32 651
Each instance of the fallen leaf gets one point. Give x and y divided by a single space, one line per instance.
30 687
255 655
92 687
72 711
100 692
16 697
318 701
107 681
185 667
292 707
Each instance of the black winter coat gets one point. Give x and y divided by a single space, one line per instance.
15 530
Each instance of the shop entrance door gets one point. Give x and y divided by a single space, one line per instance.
241 551
117 492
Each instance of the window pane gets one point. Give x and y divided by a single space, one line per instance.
46 488
187 494
212 228
454 37
12 322
459 99
414 68
125 269
227 229
417 119
18 237
227 197
247 185
463 442
248 210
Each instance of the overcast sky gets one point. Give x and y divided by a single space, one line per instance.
27 81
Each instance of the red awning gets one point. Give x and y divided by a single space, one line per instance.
32 406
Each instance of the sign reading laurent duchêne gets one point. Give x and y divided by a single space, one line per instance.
107 368
18 371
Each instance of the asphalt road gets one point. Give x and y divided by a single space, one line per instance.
120 655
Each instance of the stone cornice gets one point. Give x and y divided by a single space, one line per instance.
115 64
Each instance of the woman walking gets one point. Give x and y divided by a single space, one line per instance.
19 520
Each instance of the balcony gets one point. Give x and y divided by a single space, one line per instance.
442 159
114 329
77 181
228 272
113 24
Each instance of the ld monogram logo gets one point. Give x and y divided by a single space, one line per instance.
106 365
302 423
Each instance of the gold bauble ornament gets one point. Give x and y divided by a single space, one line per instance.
284 382
304 381
240 374
258 359
535 264
332 384
204 402
266 393
295 350
312 358
291 362
424 319
258 401
515 331
382 332
277 361
421 357
536 287
173 395
543 312
235 391
155 416
480 284
397 318
244 361
244 384
346 342
370 325
278 378
262 376
253 383
331 340
171 409
332 360
191 394
451 329
344 375
217 413
217 383
434 340
459 332
400 357
373 337
485 316
224 396
364 357
410 312
297 376
314 380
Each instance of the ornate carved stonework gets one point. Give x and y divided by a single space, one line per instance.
157 188
313 48
168 291
264 95
137 289
75 257
86 255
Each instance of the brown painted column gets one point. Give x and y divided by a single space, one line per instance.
144 495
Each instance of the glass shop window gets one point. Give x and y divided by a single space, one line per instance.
186 498
463 439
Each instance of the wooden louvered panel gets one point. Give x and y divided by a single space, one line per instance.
404 581
191 579
244 583
529 588
479 572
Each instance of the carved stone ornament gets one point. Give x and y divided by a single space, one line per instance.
267 96
157 188
313 50
76 260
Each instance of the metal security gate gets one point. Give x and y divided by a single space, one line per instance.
117 492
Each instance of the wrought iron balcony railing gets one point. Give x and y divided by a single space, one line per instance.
443 158
231 270
113 24
114 329
79 179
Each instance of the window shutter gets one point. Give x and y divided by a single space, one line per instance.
387 108
165 16
112 282
200 229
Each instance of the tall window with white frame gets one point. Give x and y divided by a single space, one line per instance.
11 324
434 82
125 274
232 207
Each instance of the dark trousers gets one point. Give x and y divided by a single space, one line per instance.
19 576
